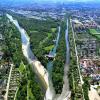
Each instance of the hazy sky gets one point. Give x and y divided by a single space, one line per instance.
59 0
52 0
42 1
69 0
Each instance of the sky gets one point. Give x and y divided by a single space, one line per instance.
42 1
50 0
62 0
59 0
70 0
25 3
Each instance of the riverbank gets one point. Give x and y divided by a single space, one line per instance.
37 66
53 52
65 90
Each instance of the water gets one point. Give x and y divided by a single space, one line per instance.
67 45
65 91
53 52
49 67
40 71
24 37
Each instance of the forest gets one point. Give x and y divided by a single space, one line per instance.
59 62
13 54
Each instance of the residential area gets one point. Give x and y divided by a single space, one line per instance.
49 50
87 36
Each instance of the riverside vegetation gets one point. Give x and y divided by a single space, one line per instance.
13 54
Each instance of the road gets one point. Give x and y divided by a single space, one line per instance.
8 83
76 54
81 79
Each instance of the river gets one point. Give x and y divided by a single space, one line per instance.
53 52
37 67
65 95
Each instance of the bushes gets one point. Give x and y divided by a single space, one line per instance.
13 49
13 53
34 85
29 87
38 31
74 79
86 87
59 62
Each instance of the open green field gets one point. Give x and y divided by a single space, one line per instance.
21 67
49 48
49 35
95 33
53 30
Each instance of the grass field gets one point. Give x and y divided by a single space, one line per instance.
49 48
21 67
53 30
95 33
49 35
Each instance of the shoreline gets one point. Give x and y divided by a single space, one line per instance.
37 66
